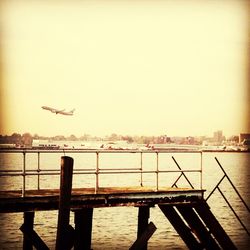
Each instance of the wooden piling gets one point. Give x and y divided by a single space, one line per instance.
83 228
62 238
33 238
28 223
141 242
30 237
143 216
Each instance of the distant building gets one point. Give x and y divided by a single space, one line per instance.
243 137
218 136
190 140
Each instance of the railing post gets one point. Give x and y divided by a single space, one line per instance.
157 171
24 173
38 170
141 167
97 173
201 169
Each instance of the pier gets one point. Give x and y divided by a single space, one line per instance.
184 206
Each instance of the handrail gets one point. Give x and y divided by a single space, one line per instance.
101 171
30 150
182 174
97 170
228 203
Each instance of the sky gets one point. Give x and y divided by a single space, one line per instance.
127 67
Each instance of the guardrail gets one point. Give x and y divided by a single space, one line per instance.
226 177
98 170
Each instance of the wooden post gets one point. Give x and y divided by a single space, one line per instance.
62 238
28 223
143 216
83 228
141 242
34 239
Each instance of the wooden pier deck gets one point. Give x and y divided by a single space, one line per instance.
48 199
203 230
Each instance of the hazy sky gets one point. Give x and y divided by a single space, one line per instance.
127 67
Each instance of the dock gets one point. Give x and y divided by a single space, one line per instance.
47 199
170 200
184 207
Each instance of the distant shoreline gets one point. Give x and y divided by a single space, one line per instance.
156 149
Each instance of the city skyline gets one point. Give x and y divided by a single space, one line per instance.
166 68
216 135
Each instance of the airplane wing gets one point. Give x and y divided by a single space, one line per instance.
58 111
67 113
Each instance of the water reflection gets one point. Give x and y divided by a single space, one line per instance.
116 228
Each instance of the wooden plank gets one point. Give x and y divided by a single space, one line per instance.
214 226
180 227
198 227
141 242
80 199
102 190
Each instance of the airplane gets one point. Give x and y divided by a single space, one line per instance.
58 111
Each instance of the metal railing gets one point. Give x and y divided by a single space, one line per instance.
226 177
98 170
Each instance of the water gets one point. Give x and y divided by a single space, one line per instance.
116 228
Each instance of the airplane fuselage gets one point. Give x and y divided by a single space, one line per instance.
58 111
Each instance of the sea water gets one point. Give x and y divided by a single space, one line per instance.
116 227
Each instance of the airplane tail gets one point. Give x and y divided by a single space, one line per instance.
72 111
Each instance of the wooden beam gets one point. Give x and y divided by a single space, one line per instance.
33 238
142 240
62 237
180 227
198 227
48 199
214 226
83 228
